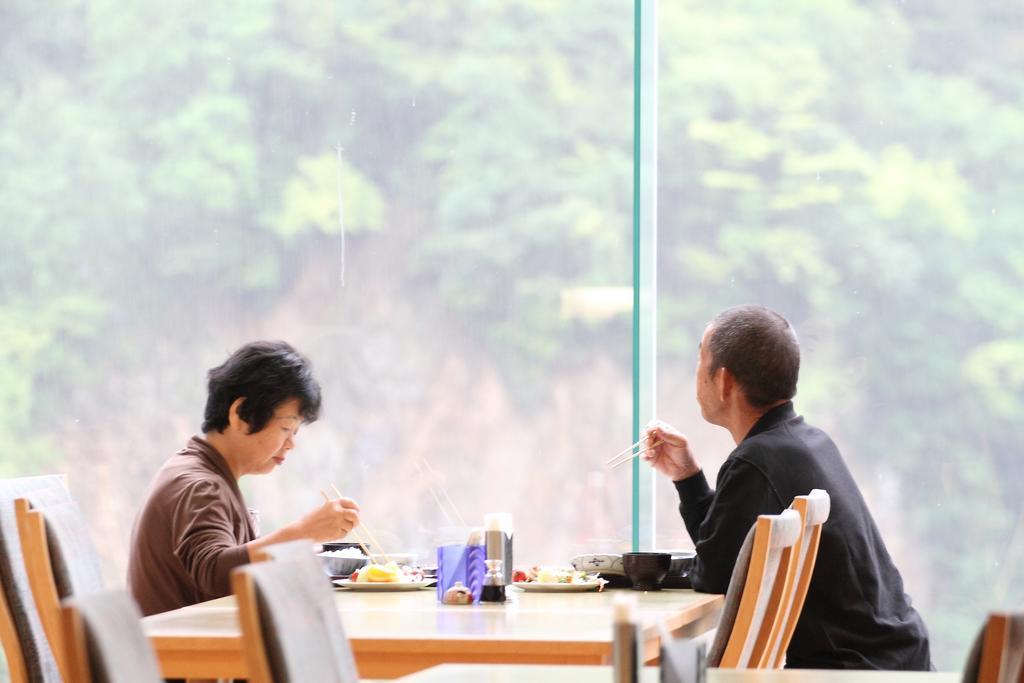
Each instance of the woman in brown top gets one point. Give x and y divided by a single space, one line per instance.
194 526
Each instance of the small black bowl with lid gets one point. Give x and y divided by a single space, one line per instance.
646 570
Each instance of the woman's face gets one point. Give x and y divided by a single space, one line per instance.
266 449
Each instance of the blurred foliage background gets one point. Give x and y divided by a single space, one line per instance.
170 180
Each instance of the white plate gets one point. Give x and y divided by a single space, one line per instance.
605 563
537 587
383 586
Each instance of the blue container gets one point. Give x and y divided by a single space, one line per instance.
460 562
476 570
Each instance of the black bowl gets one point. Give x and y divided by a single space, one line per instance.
646 570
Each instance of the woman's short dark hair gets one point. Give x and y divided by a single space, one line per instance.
760 349
265 374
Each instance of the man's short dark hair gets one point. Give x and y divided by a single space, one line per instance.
760 349
265 374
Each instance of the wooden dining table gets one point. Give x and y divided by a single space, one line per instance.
393 634
459 673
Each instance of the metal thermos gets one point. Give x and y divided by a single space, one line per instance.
498 539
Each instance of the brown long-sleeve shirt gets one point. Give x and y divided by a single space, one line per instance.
190 532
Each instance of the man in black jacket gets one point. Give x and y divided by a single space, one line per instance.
856 615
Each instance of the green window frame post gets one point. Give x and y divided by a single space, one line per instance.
645 242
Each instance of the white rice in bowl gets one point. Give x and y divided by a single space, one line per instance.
347 552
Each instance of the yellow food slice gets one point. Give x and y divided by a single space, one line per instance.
378 573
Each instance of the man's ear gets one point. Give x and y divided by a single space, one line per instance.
727 386
234 420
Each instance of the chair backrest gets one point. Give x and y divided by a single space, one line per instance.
29 658
60 559
104 641
997 655
814 509
291 630
760 583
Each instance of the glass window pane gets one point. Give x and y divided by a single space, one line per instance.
856 166
431 200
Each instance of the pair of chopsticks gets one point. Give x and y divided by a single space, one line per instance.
627 454
428 472
355 530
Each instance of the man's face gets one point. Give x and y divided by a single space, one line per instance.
707 384
266 449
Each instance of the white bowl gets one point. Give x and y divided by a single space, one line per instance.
336 565
605 563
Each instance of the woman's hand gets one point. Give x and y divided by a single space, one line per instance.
334 519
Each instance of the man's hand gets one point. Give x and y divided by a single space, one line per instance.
334 519
671 456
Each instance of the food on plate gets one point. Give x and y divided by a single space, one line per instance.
387 573
537 574
380 573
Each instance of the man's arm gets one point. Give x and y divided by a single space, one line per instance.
718 521
695 498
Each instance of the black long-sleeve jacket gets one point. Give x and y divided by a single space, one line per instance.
856 615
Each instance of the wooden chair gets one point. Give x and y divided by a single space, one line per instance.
997 655
760 585
291 631
11 643
104 640
60 559
29 658
814 509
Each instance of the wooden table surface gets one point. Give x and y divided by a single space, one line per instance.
394 634
456 673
